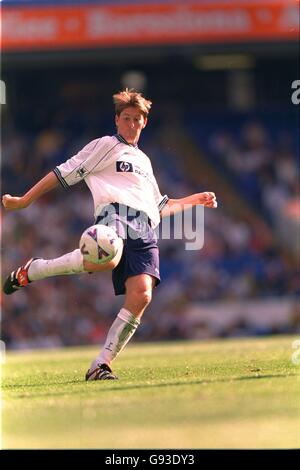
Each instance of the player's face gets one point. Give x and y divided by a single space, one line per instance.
130 124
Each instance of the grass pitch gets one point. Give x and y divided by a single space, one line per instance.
215 394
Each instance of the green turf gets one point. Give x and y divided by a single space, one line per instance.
215 394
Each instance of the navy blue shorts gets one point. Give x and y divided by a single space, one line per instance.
140 252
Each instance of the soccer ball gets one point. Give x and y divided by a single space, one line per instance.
99 244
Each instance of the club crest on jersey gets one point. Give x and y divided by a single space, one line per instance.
81 172
125 167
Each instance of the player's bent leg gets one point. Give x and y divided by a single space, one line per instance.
120 332
138 293
138 296
38 268
71 263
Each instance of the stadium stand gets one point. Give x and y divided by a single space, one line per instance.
245 280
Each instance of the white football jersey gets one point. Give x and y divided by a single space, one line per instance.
115 171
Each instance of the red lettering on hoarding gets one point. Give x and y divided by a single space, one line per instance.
62 27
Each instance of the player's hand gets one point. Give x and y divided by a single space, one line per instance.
13 203
208 199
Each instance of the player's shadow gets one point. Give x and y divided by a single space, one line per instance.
199 382
115 385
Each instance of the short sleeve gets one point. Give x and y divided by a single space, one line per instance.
95 156
160 200
163 202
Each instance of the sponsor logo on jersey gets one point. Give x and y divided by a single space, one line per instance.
125 167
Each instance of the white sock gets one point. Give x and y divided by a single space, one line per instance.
71 263
118 336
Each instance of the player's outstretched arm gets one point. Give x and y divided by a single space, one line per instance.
47 183
173 206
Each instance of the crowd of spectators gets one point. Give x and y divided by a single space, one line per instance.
235 262
263 163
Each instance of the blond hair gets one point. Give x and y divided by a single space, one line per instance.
131 97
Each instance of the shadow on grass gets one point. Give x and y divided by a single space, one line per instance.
115 385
